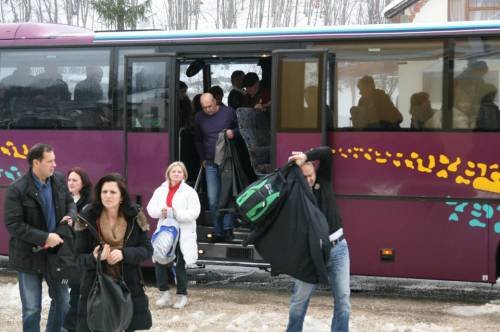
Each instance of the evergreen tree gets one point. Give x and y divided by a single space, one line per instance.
121 13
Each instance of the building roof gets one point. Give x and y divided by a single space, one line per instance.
396 7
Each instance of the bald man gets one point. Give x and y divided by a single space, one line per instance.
207 125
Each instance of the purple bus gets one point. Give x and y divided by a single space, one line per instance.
419 195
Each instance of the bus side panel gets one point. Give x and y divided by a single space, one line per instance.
426 243
98 152
416 164
428 202
148 158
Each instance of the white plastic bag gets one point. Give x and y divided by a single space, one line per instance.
164 240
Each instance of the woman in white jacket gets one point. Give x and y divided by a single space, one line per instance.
175 197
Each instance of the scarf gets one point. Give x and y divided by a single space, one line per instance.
114 236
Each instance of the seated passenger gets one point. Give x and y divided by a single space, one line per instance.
489 114
218 94
235 96
21 77
420 110
51 86
464 111
89 90
375 109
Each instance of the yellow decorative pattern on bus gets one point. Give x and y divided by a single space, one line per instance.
481 176
11 150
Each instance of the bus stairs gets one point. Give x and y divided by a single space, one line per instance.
227 253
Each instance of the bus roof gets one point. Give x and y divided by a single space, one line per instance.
26 34
339 32
43 34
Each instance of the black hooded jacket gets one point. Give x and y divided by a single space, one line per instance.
294 237
136 249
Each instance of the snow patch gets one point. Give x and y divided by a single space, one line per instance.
420 327
254 321
469 311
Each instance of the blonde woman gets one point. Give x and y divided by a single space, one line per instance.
175 198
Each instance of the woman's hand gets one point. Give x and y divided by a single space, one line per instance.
115 256
164 212
105 251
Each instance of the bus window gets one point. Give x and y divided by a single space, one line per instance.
148 96
221 75
476 78
120 85
39 86
375 82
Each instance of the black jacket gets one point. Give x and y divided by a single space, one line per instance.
323 190
294 237
137 248
25 220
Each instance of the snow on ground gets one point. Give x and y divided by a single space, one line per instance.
223 307
478 310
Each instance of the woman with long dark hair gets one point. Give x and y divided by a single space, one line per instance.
123 230
80 187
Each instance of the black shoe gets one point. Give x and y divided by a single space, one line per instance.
216 238
228 235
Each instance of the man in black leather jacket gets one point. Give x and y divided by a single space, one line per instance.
34 206
320 182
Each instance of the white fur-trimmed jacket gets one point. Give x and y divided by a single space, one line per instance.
186 205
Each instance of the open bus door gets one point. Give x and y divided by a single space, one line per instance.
298 102
150 99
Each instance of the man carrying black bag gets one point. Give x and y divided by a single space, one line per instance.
320 182
34 207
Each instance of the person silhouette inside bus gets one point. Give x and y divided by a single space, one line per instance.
50 86
207 126
89 91
185 107
375 109
489 114
237 92
16 89
420 110
252 97
218 94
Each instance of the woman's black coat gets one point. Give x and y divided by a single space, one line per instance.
137 248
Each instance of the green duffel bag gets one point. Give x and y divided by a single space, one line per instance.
258 199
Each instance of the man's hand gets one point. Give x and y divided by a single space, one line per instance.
115 256
230 134
299 157
53 240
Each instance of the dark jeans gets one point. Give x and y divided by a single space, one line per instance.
161 273
30 287
71 316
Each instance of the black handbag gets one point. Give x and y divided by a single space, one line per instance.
109 305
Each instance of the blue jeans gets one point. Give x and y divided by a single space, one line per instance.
221 223
30 287
339 272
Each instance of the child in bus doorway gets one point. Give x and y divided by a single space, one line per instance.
175 199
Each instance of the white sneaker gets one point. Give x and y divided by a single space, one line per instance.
164 300
181 302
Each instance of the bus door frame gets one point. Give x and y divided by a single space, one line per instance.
171 80
277 157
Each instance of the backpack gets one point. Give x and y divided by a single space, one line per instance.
256 201
62 259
